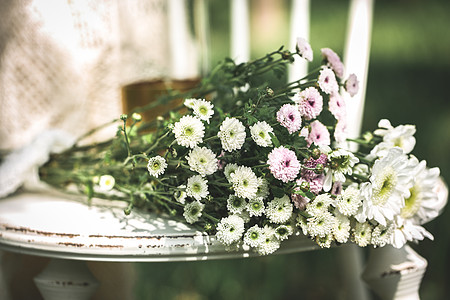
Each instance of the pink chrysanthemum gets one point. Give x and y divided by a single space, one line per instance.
333 61
337 106
340 132
310 102
327 81
318 134
352 85
283 164
304 49
289 117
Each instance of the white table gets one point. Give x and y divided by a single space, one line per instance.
71 232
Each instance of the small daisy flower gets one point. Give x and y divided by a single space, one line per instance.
236 205
319 205
282 232
352 85
156 166
321 224
230 229
283 164
232 134
203 109
342 163
193 211
310 102
349 201
260 134
228 170
341 229
106 182
270 243
197 187
255 207
245 182
304 49
189 131
289 117
318 134
254 236
263 188
381 235
180 194
336 105
362 234
279 210
202 160
334 61
327 81
324 241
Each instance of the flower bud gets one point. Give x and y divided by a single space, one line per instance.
123 117
319 169
136 117
269 92
304 186
316 153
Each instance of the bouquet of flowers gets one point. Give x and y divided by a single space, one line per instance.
253 161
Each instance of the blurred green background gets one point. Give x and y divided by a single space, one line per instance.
408 83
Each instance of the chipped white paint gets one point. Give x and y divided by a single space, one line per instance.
49 224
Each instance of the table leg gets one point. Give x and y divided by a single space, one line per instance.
66 279
395 273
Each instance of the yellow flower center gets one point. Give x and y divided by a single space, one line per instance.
384 186
412 204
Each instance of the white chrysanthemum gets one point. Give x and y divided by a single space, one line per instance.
401 136
232 134
302 222
236 205
349 201
106 182
362 234
189 131
203 109
406 230
254 236
156 166
193 211
255 207
197 187
230 229
263 188
341 229
319 204
270 243
282 232
260 134
381 235
342 162
202 160
228 170
189 102
245 182
423 203
321 224
383 197
180 194
279 210
324 241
